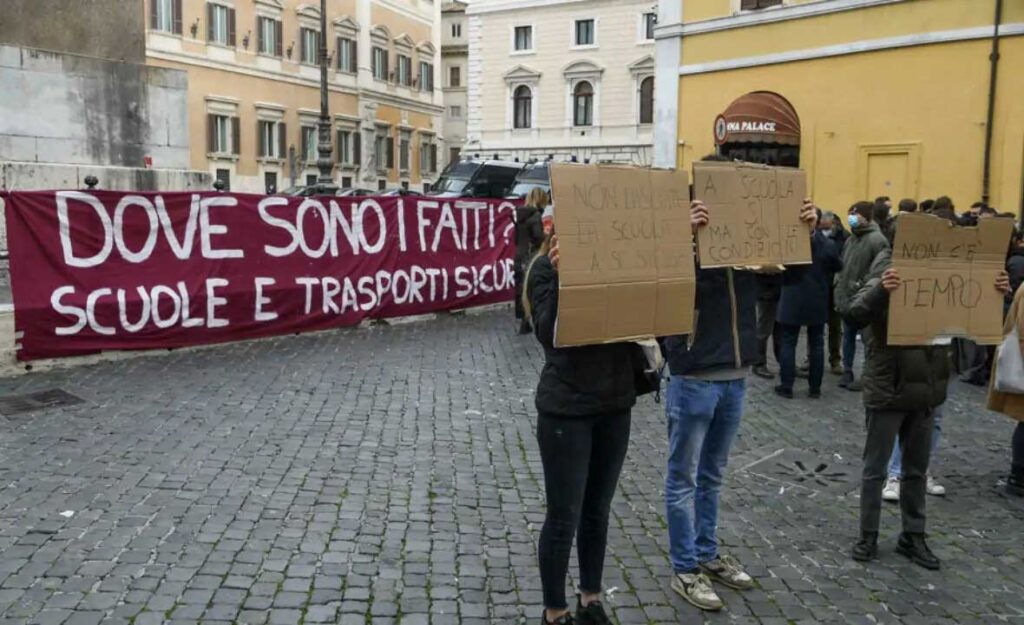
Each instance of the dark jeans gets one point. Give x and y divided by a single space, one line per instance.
767 329
849 346
518 275
582 458
1018 449
835 333
915 432
815 355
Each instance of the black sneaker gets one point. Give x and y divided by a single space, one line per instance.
565 619
782 391
914 547
814 393
762 371
846 379
592 614
1015 484
866 548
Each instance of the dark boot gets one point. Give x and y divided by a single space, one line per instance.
762 371
1015 483
784 392
524 327
846 379
565 619
914 547
592 614
866 548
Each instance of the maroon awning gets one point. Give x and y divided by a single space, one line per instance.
758 117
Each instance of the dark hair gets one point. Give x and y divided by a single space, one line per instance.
881 198
864 209
944 203
988 210
946 213
981 205
926 206
716 158
879 212
908 205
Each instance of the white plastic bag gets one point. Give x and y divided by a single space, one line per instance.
1010 365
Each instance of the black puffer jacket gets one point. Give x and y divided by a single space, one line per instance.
895 378
725 336
576 381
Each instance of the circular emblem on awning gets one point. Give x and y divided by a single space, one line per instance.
721 131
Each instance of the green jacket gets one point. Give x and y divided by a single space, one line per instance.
859 252
895 378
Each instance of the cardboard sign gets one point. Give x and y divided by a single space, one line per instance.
948 275
755 215
626 248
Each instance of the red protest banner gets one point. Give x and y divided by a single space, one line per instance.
100 270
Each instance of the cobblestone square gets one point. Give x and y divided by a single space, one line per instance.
390 475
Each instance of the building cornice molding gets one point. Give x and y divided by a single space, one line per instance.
767 16
854 47
499 6
281 77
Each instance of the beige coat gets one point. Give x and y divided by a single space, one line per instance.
1007 403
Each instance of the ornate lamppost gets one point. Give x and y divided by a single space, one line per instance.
325 183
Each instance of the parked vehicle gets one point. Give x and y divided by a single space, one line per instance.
356 192
400 193
477 178
535 174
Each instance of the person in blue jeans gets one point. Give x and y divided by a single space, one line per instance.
704 406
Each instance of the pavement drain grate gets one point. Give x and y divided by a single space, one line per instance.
830 474
40 400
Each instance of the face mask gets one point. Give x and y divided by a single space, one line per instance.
853 220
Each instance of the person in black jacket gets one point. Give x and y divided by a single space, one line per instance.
1015 267
704 406
584 399
832 228
529 236
805 303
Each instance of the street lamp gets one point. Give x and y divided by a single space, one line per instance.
325 183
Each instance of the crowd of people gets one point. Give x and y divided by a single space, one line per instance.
585 395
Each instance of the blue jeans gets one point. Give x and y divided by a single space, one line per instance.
896 461
703 418
849 346
815 355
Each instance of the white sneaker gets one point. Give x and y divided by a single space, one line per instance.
891 492
697 590
934 488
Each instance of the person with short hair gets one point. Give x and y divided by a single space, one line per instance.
865 242
704 407
902 388
908 205
832 228
927 205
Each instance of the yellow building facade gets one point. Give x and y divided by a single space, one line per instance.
891 97
254 88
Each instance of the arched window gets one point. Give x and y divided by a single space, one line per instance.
583 104
522 101
647 100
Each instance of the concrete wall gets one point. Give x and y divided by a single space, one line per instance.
108 29
62 108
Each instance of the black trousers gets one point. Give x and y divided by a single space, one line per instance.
915 432
518 276
582 458
767 328
1018 449
835 332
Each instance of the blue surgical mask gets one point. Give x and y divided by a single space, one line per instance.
853 220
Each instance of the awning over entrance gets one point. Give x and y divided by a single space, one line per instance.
759 117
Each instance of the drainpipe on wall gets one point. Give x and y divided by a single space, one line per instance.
993 71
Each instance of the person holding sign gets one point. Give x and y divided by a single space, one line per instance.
902 388
704 406
584 398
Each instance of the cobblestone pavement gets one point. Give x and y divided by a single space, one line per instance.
391 475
